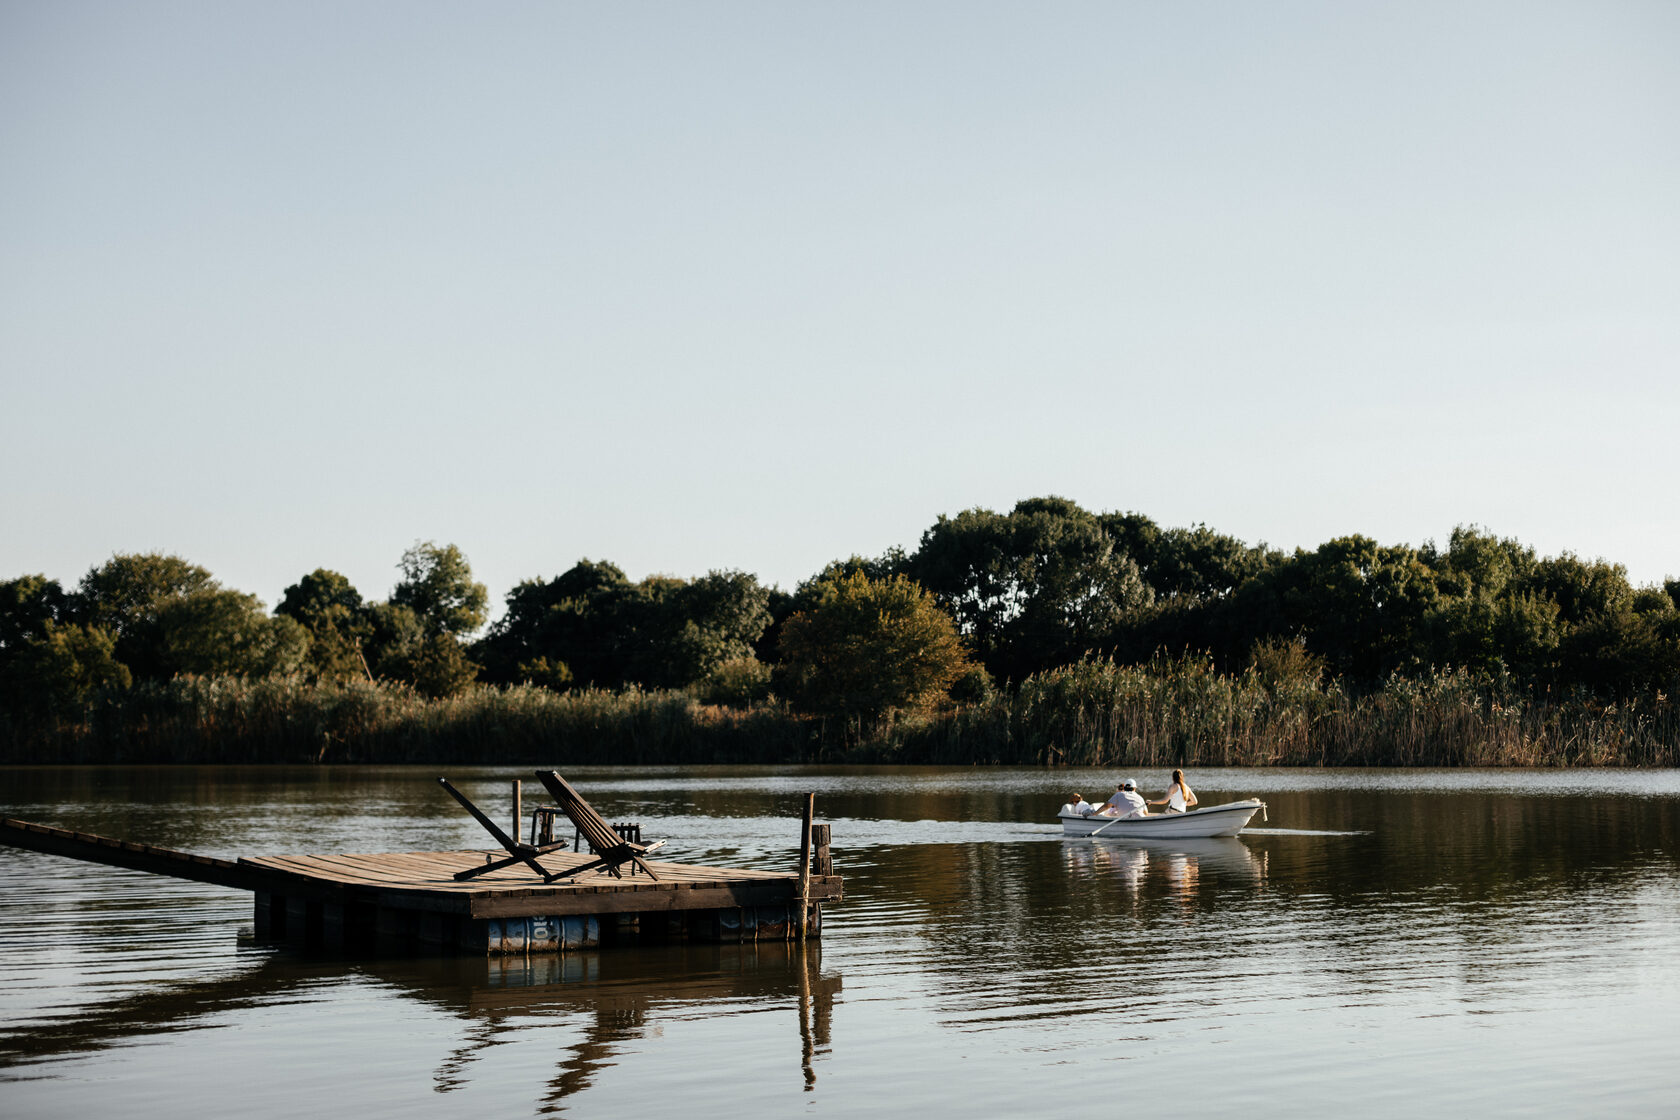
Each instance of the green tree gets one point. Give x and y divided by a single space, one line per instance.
31 608
1517 633
1038 586
893 563
738 682
867 648
1620 653
1359 605
214 631
1134 535
128 589
168 616
1194 564
62 666
437 585
713 620
400 649
395 640
435 606
442 667
563 630
601 629
332 611
1652 600
1582 589
126 596
27 605
1478 563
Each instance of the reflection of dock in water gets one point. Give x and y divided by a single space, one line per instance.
619 998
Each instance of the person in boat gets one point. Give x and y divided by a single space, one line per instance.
1078 805
1178 798
1126 802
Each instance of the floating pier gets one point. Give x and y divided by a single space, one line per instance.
411 900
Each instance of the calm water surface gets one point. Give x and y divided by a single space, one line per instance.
1388 943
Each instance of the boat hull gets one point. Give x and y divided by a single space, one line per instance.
1216 820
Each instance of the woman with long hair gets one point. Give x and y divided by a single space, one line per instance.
1178 797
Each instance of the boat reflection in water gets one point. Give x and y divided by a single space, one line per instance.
1179 864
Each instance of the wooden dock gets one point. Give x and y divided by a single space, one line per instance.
388 900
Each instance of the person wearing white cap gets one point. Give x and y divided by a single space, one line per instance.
1126 802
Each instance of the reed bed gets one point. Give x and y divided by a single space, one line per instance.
1183 712
234 720
1166 712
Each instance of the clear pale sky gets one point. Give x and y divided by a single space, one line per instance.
713 285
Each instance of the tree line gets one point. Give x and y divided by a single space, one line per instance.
985 603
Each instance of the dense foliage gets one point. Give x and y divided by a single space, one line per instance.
592 627
988 619
866 647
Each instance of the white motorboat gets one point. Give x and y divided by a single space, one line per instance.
1215 820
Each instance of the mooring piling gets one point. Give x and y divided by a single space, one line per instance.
805 864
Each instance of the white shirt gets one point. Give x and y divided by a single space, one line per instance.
1084 808
1175 798
1128 801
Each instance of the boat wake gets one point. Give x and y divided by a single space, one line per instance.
1302 832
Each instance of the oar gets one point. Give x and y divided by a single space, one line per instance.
1116 820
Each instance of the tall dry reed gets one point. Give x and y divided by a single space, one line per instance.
1168 712
234 720
1176 712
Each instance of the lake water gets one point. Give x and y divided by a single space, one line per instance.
1387 943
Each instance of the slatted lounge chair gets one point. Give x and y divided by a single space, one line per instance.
612 848
519 852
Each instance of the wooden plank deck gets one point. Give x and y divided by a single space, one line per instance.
92 848
424 881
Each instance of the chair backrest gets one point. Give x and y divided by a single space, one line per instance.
581 813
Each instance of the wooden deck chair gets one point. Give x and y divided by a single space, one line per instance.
608 844
518 852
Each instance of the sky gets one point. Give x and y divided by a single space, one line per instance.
703 285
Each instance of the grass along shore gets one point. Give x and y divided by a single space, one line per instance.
1094 713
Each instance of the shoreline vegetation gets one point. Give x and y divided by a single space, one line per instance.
1095 713
1048 635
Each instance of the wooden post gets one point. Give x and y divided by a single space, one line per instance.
805 863
518 813
822 857
822 863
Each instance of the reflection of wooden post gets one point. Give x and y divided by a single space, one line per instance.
518 813
805 863
807 1043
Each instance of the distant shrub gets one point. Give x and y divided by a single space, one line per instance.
738 682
